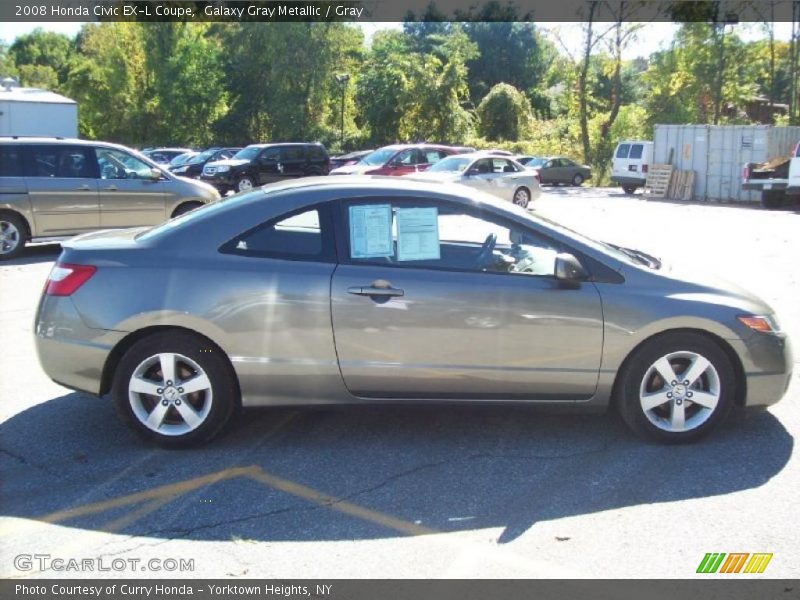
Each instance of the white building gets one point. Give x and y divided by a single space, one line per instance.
31 111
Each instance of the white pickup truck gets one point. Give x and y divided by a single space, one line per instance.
777 179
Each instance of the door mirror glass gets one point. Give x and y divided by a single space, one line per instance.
569 269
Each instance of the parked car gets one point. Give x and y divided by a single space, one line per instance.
181 159
397 159
163 156
284 296
498 175
258 164
560 169
53 188
630 164
499 152
350 158
194 166
530 162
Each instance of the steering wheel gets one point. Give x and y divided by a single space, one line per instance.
485 255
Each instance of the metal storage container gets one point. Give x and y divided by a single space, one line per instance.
716 153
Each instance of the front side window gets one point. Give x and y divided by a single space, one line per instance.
116 164
443 236
270 155
59 161
306 235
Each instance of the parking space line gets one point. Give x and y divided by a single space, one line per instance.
326 501
122 522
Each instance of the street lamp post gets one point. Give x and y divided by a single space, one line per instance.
342 80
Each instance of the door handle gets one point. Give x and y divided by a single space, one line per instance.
83 188
384 292
111 188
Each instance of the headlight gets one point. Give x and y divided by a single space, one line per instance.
763 323
223 168
180 169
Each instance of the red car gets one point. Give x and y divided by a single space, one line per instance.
398 159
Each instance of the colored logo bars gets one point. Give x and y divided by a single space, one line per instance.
736 562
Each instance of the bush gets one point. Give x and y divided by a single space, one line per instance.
504 113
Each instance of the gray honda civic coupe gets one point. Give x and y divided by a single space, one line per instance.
376 290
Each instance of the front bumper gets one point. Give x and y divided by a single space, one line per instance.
70 353
221 181
767 360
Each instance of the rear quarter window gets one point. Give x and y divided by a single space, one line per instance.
10 161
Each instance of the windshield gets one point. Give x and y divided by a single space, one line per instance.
202 157
454 164
379 157
248 153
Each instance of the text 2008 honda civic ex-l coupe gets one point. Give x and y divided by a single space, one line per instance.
348 290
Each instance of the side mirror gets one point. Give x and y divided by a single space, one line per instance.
569 269
155 175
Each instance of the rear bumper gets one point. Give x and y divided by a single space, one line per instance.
70 353
760 186
767 360
620 180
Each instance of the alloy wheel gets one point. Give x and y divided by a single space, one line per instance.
521 198
170 394
680 391
9 237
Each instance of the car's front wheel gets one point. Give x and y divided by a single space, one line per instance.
522 197
577 180
175 388
629 189
677 387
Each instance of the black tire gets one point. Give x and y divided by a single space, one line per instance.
637 367
772 199
186 207
13 235
245 181
224 386
577 180
522 197
629 189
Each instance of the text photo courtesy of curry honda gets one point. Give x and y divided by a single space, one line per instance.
317 288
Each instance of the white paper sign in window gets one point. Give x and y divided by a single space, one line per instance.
371 231
418 234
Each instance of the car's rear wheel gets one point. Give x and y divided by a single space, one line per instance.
577 180
676 388
244 184
186 207
12 235
522 197
175 388
629 189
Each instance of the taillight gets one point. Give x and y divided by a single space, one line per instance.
65 279
644 168
745 172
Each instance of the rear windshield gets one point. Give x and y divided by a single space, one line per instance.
622 150
636 151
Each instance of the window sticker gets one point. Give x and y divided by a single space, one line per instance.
371 231
418 234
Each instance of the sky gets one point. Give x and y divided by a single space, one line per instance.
652 37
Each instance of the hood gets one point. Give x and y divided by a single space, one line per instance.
201 188
231 162
356 169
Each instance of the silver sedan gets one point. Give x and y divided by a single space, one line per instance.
358 289
500 176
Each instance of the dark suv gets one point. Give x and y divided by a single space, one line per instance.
258 164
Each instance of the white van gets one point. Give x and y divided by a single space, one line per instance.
630 163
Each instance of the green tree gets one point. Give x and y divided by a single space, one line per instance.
44 58
504 114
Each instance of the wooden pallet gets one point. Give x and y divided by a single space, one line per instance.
657 183
682 185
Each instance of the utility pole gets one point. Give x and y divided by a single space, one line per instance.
342 79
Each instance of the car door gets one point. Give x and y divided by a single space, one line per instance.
548 172
422 308
406 162
276 316
292 162
479 174
62 187
130 195
268 166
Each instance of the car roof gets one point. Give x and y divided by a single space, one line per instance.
17 139
270 144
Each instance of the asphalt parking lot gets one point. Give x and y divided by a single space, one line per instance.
412 491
